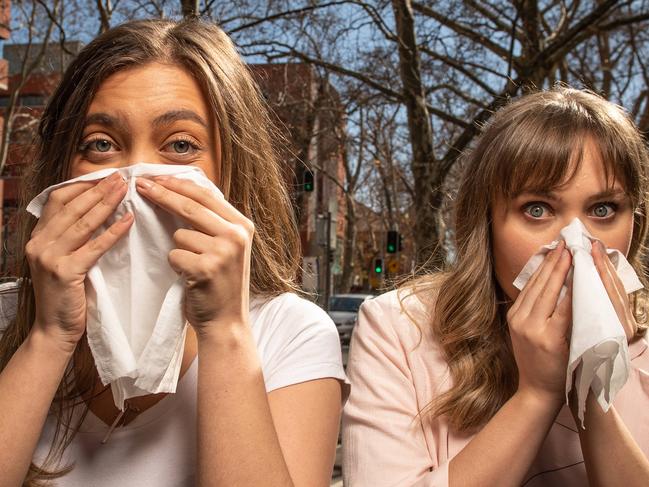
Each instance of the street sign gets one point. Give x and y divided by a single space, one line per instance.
310 274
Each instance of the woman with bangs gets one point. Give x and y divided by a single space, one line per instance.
259 397
458 378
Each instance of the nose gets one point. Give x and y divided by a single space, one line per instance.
571 217
586 224
138 158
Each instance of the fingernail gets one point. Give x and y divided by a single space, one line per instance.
161 178
144 183
127 217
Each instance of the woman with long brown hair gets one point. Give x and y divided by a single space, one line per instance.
259 395
458 378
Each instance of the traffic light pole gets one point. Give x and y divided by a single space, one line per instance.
327 263
323 231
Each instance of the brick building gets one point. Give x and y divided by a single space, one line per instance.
307 114
310 113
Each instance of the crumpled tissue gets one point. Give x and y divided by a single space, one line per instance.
135 324
599 356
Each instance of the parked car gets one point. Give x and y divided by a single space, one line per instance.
343 309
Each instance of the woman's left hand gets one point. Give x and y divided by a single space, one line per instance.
213 256
615 290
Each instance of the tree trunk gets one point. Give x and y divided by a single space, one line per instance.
533 72
189 8
428 196
105 13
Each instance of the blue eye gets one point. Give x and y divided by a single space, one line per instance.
603 210
97 145
102 145
536 210
181 146
184 146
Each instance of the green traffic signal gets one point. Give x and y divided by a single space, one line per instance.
308 181
392 241
378 266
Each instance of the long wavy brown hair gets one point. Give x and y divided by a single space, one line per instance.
529 144
251 176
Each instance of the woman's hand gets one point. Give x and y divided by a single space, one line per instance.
213 256
615 289
60 253
539 327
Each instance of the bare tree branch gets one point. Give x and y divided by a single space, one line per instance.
461 29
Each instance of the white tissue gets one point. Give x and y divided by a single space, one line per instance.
599 356
135 324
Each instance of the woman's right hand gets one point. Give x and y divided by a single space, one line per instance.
61 252
539 327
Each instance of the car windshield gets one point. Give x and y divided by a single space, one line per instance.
339 303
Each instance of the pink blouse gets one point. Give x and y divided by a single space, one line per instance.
395 371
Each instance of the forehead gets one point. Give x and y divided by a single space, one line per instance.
149 90
581 164
591 173
587 181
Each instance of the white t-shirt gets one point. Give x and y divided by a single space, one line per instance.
296 342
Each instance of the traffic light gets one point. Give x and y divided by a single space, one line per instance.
378 266
393 242
307 181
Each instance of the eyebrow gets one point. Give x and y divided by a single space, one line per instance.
106 120
542 193
607 193
610 193
118 123
176 115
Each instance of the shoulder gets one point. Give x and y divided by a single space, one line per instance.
404 314
296 341
290 312
394 345
289 317
285 301
8 303
399 302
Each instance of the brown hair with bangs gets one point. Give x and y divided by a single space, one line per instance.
534 143
251 173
